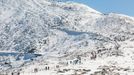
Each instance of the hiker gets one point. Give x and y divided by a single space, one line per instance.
57 66
79 59
35 70
48 68
12 73
93 55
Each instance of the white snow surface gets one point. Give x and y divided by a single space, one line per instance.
39 34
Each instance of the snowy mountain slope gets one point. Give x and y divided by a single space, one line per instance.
61 31
30 22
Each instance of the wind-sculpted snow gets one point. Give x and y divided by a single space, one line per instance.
59 29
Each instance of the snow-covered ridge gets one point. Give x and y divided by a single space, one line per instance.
40 25
35 18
